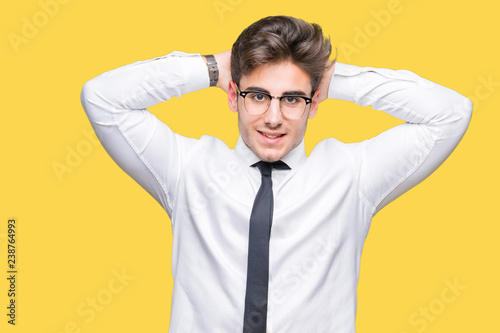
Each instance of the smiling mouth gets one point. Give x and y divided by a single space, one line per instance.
271 136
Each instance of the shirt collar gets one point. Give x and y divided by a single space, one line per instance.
294 159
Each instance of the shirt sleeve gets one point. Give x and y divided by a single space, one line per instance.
143 146
436 119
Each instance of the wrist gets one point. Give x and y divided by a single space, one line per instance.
224 64
324 85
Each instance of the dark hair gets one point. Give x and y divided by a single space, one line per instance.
275 39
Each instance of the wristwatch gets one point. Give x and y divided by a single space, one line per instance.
213 70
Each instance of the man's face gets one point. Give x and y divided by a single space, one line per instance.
270 135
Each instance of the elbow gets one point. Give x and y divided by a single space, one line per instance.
88 94
459 118
466 108
93 101
452 113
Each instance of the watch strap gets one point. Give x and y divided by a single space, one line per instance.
213 70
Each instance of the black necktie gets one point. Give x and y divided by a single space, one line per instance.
255 316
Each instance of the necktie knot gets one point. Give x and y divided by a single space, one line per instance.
266 167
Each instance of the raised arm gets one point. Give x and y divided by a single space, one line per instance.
401 157
143 146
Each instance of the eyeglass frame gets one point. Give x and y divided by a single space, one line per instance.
271 97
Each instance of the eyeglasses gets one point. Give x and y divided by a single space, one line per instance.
291 106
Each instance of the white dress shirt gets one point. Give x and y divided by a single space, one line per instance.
323 206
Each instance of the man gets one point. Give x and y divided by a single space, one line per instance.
266 238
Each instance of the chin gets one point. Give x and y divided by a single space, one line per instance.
270 156
270 159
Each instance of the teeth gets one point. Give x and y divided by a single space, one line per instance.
271 136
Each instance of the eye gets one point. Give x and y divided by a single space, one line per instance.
257 97
290 99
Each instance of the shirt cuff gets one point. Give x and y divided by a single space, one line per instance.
193 68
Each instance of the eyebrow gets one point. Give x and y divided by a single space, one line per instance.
286 93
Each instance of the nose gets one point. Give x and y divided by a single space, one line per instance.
273 116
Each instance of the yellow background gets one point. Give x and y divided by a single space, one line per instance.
77 230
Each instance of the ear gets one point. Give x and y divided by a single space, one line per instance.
314 104
232 96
